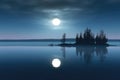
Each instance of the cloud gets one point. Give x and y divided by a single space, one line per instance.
114 1
33 6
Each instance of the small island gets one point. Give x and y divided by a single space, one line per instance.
86 39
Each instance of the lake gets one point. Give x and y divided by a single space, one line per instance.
38 61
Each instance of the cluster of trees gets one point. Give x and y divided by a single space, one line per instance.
88 38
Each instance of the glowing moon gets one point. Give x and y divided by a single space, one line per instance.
56 21
56 63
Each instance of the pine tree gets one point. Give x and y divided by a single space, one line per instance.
101 38
77 39
80 39
63 38
88 37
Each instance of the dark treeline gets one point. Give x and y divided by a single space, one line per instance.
88 38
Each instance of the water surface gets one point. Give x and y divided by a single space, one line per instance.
77 63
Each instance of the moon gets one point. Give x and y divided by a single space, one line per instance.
56 63
56 21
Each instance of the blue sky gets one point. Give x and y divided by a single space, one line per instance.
31 19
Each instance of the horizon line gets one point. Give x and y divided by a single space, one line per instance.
42 39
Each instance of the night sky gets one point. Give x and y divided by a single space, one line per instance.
31 19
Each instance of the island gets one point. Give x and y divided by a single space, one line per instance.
86 39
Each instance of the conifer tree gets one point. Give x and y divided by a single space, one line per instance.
77 39
63 38
80 39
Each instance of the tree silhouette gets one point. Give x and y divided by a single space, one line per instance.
88 37
63 38
101 38
77 39
80 39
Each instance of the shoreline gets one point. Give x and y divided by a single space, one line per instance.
79 45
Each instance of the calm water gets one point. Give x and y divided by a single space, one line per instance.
43 43
34 62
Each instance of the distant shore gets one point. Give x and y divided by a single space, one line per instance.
37 40
79 45
75 45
